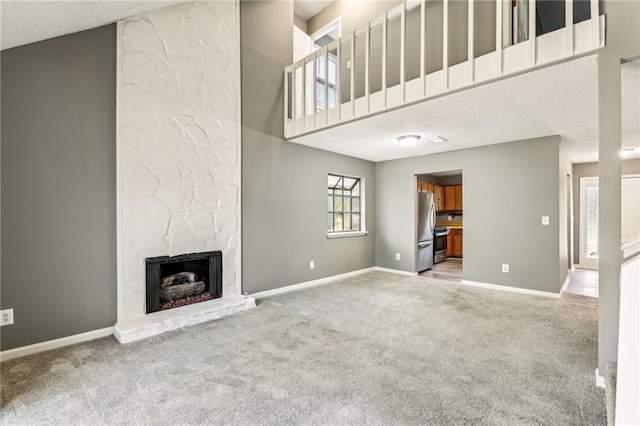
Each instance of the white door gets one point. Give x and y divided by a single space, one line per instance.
630 207
630 216
589 223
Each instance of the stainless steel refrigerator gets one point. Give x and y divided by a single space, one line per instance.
426 225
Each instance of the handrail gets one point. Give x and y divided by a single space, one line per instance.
359 63
631 248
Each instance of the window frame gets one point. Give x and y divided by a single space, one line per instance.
362 210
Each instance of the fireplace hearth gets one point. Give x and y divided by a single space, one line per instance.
174 281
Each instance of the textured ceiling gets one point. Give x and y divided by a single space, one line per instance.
558 100
24 22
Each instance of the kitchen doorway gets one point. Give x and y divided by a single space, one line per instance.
439 225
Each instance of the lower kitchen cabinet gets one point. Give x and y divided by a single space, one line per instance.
454 243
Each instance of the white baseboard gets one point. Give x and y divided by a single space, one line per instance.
601 381
565 285
55 344
320 281
395 271
510 289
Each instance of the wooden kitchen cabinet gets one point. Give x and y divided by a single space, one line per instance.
454 243
449 198
458 199
453 198
438 197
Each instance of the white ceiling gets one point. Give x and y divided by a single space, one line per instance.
558 100
307 9
23 22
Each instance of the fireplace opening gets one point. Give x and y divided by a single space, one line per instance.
174 281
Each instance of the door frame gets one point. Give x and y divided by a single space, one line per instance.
585 182
587 263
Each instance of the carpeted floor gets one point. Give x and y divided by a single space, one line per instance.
375 349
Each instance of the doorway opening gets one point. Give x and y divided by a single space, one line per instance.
439 225
584 281
630 216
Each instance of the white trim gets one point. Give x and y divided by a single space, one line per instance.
566 284
313 283
345 234
327 29
395 271
573 267
363 206
55 344
510 289
601 381
119 176
239 282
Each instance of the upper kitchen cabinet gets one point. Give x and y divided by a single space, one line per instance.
453 198
438 197
458 197
436 190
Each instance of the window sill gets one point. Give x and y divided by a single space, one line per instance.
332 235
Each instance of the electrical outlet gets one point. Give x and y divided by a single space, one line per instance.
397 256
545 220
450 217
6 317
312 264
505 268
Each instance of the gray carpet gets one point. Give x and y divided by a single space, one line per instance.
375 349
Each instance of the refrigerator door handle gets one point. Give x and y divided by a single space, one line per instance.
433 217
425 244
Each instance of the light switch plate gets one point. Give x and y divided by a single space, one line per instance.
545 220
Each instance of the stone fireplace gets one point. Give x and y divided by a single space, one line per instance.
178 165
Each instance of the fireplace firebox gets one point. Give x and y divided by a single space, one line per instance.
174 281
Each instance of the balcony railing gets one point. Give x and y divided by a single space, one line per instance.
427 48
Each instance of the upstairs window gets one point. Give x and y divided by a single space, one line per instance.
346 207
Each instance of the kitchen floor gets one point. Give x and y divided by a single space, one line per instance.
583 282
449 270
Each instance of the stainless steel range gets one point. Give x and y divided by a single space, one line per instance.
440 244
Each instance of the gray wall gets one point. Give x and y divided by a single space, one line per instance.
284 192
629 167
507 189
300 23
58 186
564 223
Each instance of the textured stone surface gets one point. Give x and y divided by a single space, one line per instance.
179 142
133 329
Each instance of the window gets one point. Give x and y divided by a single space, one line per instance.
345 205
326 70
321 81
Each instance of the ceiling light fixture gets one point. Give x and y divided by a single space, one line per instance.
628 152
408 140
437 139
